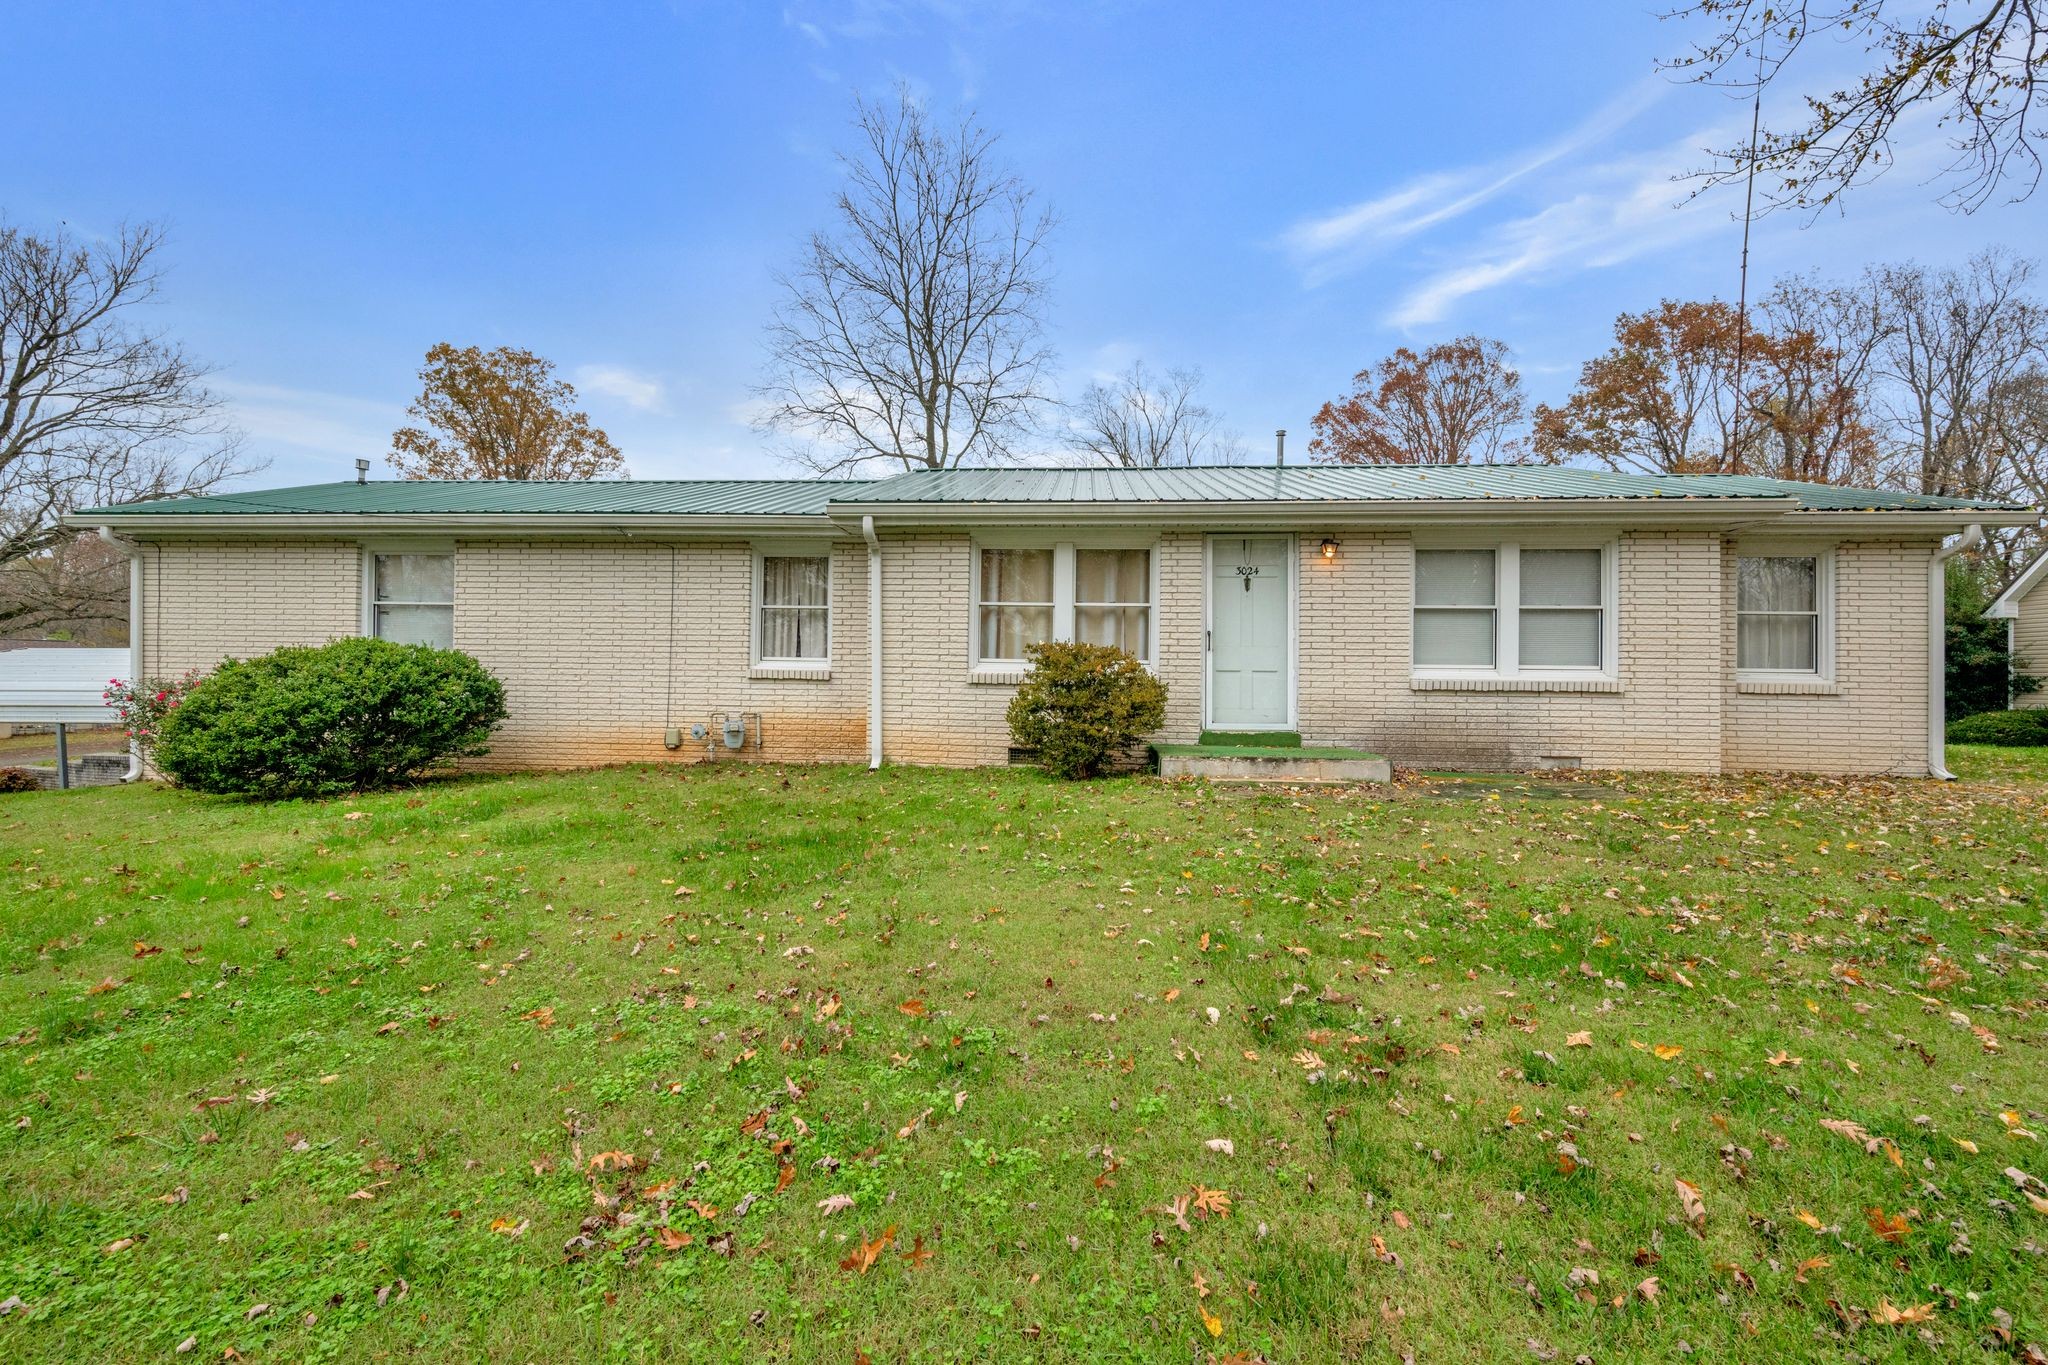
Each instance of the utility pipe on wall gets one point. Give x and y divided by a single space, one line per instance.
134 553
867 530
1937 650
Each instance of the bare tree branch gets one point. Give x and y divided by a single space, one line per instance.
1977 65
94 409
1141 421
910 335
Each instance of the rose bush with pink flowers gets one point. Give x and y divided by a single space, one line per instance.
143 703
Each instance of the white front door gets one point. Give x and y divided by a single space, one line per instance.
1251 625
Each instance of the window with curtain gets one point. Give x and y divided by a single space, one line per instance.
796 610
1561 622
1113 599
1777 613
1455 609
1016 606
414 599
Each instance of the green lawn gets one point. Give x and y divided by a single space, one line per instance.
578 1066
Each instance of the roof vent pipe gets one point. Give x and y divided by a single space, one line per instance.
1280 447
362 470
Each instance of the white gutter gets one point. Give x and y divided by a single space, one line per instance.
1937 649
134 553
867 530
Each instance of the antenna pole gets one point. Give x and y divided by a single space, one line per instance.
1756 110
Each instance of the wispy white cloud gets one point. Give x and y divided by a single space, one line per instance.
310 420
966 70
1611 190
1622 209
750 412
631 387
1332 244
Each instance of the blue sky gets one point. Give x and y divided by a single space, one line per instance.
1275 195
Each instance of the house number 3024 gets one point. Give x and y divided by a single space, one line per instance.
1246 573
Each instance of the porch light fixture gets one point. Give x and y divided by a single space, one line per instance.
1329 548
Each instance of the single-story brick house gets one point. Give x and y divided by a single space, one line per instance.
2024 608
1445 617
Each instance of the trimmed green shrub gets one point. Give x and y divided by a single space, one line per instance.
2015 729
353 715
18 780
1080 704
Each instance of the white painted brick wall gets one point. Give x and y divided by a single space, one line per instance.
1876 722
1356 684
605 644
933 713
204 601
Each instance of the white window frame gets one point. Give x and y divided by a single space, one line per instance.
1824 601
767 550
1507 607
1065 546
370 550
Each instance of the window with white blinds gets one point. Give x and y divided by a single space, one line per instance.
1512 610
1562 609
1456 611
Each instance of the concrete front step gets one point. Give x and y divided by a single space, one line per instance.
1220 764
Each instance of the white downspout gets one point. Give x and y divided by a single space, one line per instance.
134 553
867 530
1937 650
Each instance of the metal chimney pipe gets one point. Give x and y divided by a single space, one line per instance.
362 470
1280 447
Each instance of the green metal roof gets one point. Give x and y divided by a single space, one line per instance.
428 497
1362 483
1228 484
1821 497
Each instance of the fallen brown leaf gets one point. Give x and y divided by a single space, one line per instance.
866 1253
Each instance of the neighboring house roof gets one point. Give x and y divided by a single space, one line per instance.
2008 603
1273 491
52 683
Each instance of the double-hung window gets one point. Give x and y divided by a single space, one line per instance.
794 625
1113 599
1780 603
1513 610
413 598
1016 607
1563 609
1027 595
1457 613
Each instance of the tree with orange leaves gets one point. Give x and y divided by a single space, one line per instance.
499 414
1456 403
1690 388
